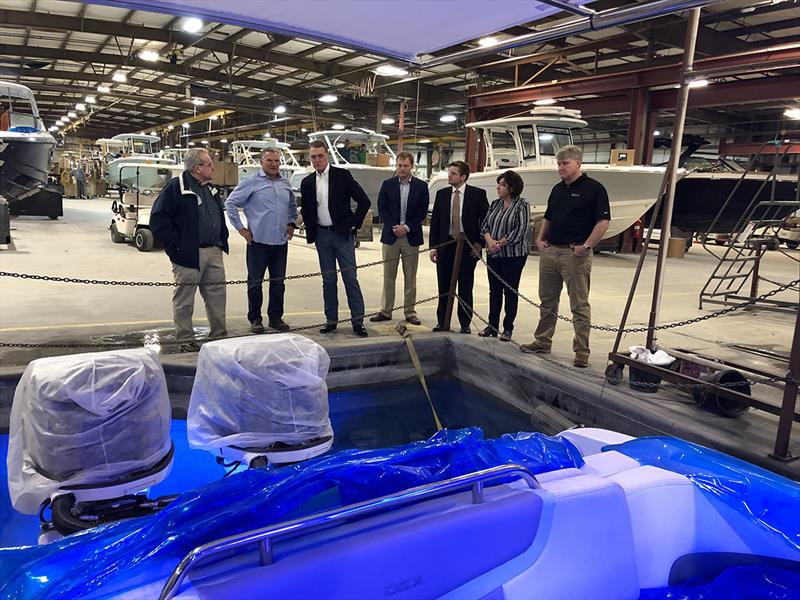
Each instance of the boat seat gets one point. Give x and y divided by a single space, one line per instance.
609 463
590 440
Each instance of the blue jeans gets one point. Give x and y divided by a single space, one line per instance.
333 247
261 257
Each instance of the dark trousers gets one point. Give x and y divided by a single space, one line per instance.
333 247
260 258
510 269
466 277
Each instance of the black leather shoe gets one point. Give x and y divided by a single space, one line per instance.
437 328
413 320
505 336
257 326
360 330
328 328
190 346
466 330
279 325
488 332
379 317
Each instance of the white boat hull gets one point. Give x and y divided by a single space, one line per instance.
631 190
147 177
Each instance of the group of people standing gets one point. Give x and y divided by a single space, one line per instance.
189 219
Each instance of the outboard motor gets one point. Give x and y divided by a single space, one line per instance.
89 433
261 400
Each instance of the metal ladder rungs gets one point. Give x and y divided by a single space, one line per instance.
736 276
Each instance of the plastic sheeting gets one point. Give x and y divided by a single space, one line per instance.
659 357
148 548
85 418
736 583
770 501
250 392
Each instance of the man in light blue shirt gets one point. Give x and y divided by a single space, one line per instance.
271 210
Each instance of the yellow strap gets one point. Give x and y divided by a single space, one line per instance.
415 359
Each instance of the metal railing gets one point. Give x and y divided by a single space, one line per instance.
265 537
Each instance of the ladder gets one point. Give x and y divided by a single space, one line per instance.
754 233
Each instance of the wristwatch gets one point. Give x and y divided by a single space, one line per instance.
587 247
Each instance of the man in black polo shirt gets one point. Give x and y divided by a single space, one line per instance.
576 219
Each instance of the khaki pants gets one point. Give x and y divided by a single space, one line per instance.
211 269
393 254
556 267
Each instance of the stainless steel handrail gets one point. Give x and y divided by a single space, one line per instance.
266 535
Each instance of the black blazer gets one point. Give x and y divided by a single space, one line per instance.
472 215
341 188
416 209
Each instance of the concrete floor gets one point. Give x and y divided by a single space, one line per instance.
78 245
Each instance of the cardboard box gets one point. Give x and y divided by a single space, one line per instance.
623 156
225 174
379 160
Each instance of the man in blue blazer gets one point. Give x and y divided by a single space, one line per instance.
402 206
330 224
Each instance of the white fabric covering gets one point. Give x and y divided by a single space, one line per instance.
250 392
85 418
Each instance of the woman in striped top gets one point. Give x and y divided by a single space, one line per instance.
506 230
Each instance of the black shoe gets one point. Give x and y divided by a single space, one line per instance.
505 336
190 346
257 326
414 320
466 330
360 330
437 328
379 317
279 325
488 332
328 328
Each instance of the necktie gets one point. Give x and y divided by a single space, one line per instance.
455 216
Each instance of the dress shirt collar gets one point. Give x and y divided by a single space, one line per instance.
459 188
325 172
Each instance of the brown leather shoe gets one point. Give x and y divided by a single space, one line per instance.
257 326
534 348
279 325
414 320
581 360
379 317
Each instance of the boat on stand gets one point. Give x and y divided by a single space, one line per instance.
247 155
129 148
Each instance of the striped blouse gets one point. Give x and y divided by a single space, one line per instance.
514 224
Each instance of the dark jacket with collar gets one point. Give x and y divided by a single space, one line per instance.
174 221
416 209
341 189
472 214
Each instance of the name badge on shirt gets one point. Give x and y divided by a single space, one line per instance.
575 195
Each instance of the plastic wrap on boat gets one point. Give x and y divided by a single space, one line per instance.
769 500
85 418
250 392
148 548
736 583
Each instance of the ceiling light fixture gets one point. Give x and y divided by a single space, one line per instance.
192 25
338 126
280 109
487 41
120 77
185 126
223 141
191 143
80 106
425 141
391 71
213 117
90 99
656 132
447 118
198 101
698 83
792 113
328 98
72 115
103 89
387 120
303 130
544 102
204 141
65 118
148 55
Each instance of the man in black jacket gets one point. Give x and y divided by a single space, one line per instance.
459 210
188 218
402 206
331 223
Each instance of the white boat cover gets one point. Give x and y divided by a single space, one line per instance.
253 391
85 418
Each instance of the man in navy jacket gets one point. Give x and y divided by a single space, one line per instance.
188 218
402 206
330 224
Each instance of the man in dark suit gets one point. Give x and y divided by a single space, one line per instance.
459 210
402 206
330 223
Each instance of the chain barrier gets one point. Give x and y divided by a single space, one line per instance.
673 325
762 278
231 282
178 343
616 381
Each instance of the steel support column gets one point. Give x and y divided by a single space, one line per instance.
637 123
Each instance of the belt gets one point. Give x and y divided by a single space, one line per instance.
562 245
326 227
209 245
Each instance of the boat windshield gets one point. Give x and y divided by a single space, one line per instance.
504 148
526 137
551 139
140 147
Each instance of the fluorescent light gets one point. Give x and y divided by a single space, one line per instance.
192 25
303 130
177 145
170 127
191 143
185 126
166 147
656 132
119 77
223 141
390 71
698 83
90 99
340 145
792 113
544 102
72 115
65 118
487 41
203 141
148 55
328 98
447 118
425 141
80 106
198 101
280 109
387 120
103 89
338 126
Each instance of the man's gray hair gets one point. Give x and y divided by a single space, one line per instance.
193 159
572 152
269 149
